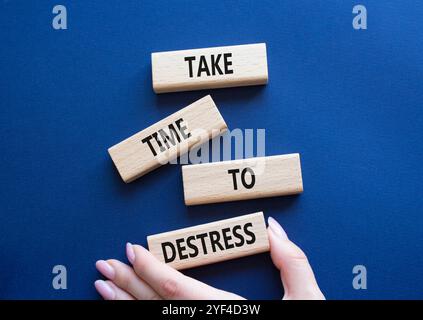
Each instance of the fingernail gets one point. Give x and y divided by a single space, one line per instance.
105 269
105 290
276 228
130 253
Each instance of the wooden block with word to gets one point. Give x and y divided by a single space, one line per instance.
242 179
211 242
167 139
218 67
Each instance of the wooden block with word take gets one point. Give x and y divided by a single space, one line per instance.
242 179
211 242
167 139
217 67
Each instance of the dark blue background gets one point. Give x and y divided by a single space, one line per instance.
349 101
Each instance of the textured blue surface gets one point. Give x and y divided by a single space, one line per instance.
349 101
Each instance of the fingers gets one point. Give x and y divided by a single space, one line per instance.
124 277
150 280
167 282
109 291
296 273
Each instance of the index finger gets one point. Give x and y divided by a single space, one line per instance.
168 282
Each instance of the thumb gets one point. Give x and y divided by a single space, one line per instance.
297 276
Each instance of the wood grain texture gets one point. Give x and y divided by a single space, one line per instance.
246 65
242 179
192 125
237 237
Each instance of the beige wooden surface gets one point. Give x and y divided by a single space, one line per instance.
201 120
247 65
254 223
212 182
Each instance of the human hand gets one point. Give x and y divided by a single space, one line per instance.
149 279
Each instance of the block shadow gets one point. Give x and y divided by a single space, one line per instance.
178 100
149 180
225 210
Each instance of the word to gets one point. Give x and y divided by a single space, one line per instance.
242 179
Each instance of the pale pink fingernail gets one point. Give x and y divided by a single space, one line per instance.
105 290
130 253
276 228
105 269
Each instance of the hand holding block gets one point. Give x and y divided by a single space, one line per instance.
218 67
167 139
242 179
211 242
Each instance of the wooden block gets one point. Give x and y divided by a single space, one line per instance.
242 179
167 139
218 67
211 242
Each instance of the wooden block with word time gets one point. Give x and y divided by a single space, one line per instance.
242 179
217 67
167 139
211 242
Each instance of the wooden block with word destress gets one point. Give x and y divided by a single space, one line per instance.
242 179
208 68
211 242
167 139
